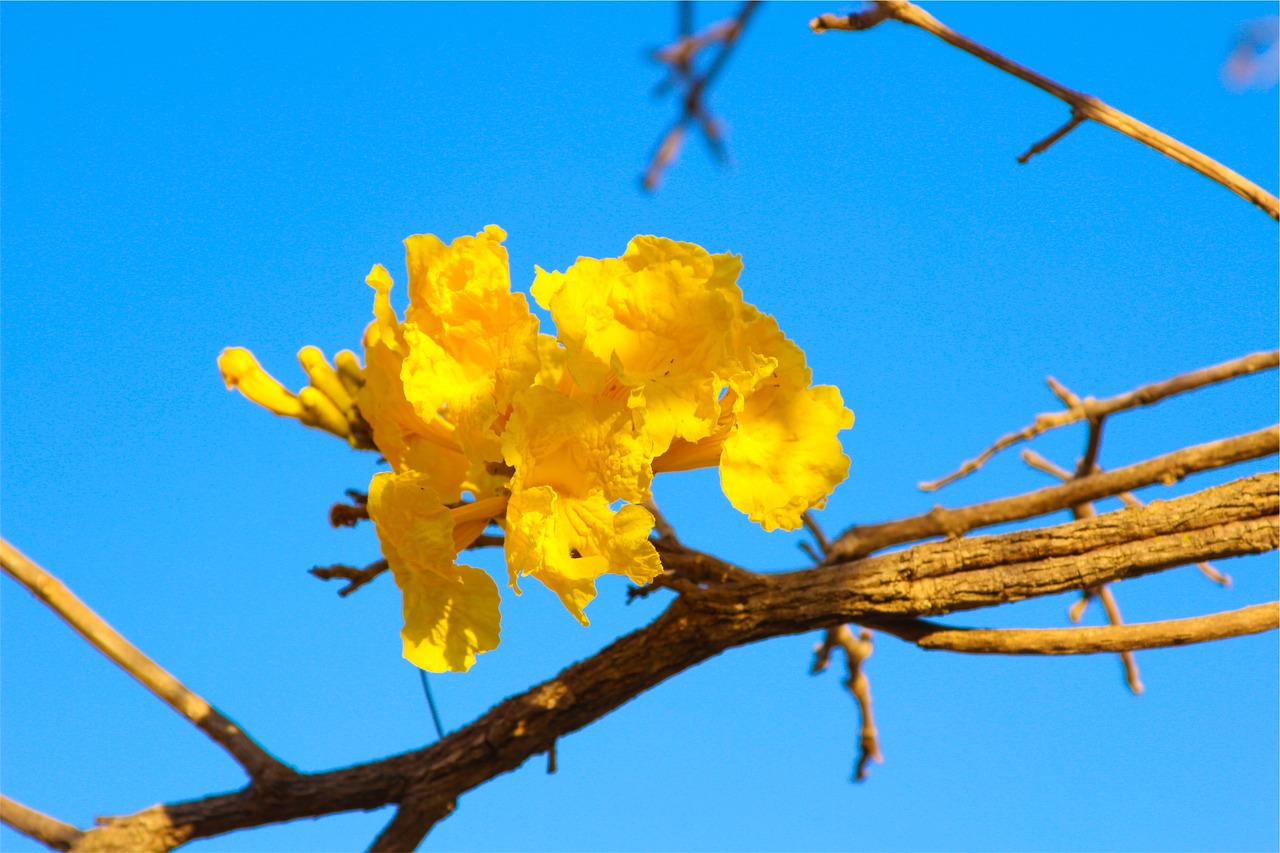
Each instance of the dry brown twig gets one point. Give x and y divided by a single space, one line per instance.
1090 408
680 57
49 831
1086 641
1083 107
856 650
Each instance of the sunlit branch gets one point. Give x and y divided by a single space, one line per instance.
1091 408
1082 106
257 762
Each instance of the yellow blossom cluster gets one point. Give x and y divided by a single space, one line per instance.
657 365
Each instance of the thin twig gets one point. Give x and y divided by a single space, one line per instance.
355 577
49 831
666 533
693 105
1088 408
1045 144
1086 106
1108 639
856 650
815 530
861 540
1112 607
261 766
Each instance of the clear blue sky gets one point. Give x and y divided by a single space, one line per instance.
180 178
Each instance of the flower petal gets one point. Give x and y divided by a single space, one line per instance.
450 611
783 455
566 543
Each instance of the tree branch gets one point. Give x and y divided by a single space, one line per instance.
861 540
1090 408
1229 520
261 766
1085 641
49 831
1082 105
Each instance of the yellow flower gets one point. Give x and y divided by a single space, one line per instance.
651 327
472 343
573 455
712 380
658 365
407 441
450 611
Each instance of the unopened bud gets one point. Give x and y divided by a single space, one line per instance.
326 380
241 370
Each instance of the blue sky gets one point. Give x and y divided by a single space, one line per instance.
180 178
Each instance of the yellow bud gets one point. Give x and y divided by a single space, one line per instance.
325 379
241 370
321 412
349 371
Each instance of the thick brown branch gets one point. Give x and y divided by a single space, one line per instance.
1086 641
50 832
1230 520
413 820
257 762
1035 460
862 540
1090 408
1086 106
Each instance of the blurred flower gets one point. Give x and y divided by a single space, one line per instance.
658 365
1254 62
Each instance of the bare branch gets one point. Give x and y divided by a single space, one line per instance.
693 107
861 540
1112 607
355 577
1086 641
1086 106
49 831
1045 144
1035 460
413 820
940 577
261 766
856 650
1091 408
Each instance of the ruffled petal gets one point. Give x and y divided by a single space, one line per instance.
783 455
405 439
472 343
652 325
450 611
566 543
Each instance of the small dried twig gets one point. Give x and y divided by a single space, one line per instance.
1090 408
1107 639
355 577
856 650
262 767
1082 106
679 56
861 540
666 533
1109 604
1044 144
49 831
350 514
